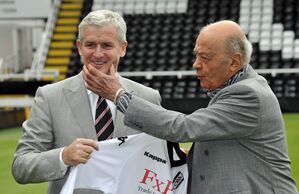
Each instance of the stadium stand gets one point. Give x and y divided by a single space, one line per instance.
163 42
62 52
161 36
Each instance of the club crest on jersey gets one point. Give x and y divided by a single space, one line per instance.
177 180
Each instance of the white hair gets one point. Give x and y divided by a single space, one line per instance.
102 18
235 44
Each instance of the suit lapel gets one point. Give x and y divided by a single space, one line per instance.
77 97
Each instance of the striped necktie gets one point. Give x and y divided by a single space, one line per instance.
103 120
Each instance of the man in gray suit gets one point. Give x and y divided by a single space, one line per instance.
239 138
60 131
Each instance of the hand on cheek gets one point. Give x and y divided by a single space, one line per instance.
104 85
112 70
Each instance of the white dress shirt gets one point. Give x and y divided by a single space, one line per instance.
93 99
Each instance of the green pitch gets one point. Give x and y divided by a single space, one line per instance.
9 139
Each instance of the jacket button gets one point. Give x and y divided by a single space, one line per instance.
202 177
206 152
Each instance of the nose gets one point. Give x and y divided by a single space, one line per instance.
98 52
196 64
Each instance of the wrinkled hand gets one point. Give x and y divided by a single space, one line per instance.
79 151
105 85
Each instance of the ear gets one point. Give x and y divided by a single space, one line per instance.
123 46
236 62
79 46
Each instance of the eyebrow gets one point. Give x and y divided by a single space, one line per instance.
195 50
89 41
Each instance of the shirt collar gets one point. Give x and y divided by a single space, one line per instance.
229 82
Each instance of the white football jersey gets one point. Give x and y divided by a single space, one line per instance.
134 164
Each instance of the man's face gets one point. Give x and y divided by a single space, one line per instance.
100 47
212 64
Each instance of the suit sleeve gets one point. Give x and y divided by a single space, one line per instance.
157 98
234 114
35 159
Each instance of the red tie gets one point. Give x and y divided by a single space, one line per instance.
103 120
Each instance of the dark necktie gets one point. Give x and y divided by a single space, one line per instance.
103 120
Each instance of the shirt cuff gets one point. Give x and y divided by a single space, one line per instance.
123 102
63 166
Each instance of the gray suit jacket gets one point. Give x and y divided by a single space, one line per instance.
239 139
61 113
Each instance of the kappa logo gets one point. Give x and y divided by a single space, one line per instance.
147 154
122 139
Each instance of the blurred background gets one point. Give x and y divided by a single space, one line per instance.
37 47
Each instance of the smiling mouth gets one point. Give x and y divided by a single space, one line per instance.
97 63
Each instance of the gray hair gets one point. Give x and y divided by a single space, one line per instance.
235 44
102 18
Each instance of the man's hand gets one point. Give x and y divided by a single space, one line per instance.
79 151
104 85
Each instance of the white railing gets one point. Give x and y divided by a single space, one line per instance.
180 74
22 101
27 101
9 67
9 70
274 72
41 55
31 75
37 70
8 64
